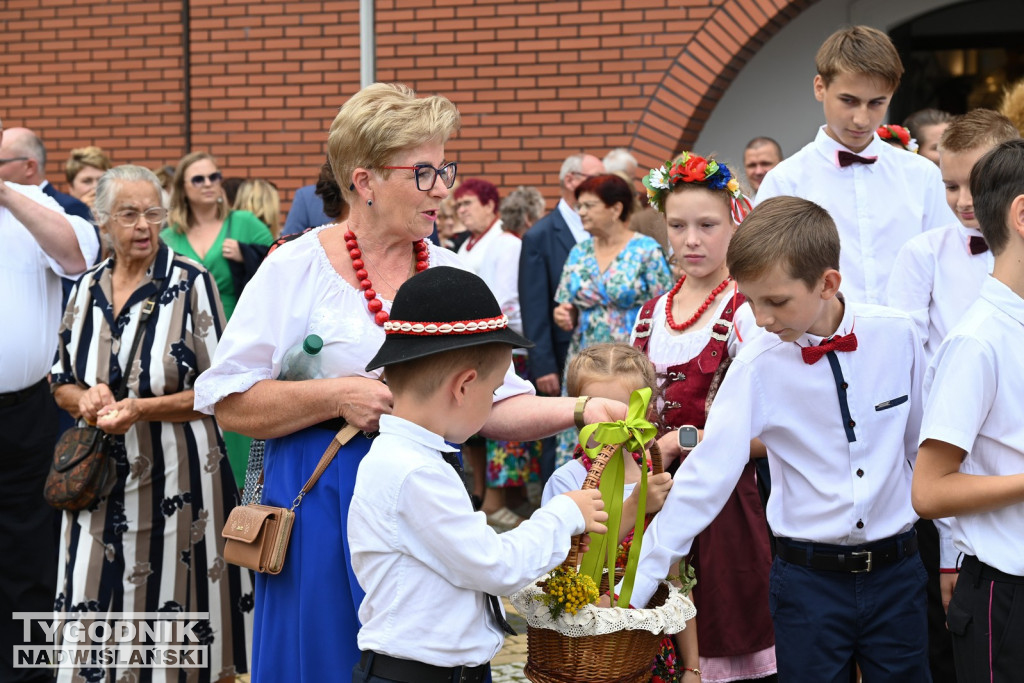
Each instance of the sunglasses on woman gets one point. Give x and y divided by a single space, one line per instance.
200 180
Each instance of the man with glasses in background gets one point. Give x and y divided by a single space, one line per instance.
41 246
24 161
546 246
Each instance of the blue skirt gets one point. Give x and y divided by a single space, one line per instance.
306 617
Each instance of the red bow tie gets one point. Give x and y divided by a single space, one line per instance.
977 245
849 158
812 354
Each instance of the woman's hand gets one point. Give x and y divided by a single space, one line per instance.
93 400
565 316
117 418
231 251
363 404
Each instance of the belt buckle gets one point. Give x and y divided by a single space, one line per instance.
867 567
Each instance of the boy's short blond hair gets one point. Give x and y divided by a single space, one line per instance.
859 50
602 361
381 121
787 231
978 128
421 377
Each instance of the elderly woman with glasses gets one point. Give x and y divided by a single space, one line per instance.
387 150
152 541
229 244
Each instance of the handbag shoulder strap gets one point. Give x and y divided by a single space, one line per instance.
343 436
148 306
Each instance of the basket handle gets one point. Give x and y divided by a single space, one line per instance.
592 481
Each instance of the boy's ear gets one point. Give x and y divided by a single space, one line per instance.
1017 215
831 280
819 88
459 384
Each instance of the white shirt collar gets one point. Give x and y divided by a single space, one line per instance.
846 326
830 148
390 424
573 220
1002 297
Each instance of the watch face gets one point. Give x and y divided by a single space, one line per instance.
687 437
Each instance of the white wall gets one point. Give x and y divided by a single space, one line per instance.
773 94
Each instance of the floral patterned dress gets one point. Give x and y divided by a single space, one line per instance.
608 301
153 543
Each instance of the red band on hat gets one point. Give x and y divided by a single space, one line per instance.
441 329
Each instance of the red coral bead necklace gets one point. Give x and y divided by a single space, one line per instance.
373 302
679 327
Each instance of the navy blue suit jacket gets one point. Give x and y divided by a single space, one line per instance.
307 211
546 246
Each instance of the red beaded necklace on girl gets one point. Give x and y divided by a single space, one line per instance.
373 302
679 327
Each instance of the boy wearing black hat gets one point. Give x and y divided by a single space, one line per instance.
420 552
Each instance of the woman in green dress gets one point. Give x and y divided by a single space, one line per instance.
203 228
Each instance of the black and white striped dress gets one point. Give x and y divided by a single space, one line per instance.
153 543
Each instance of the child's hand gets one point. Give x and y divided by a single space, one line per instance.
658 486
590 504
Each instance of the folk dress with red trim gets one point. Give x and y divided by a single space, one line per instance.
731 557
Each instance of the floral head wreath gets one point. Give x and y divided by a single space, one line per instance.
897 134
690 168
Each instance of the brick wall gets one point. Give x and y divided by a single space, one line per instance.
257 83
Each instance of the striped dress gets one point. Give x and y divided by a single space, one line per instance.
153 543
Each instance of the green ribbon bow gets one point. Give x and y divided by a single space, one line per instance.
632 433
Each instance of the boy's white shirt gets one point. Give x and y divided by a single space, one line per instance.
425 558
974 387
936 279
877 207
817 495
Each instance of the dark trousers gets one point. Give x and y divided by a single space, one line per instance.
828 621
940 642
361 673
28 552
986 618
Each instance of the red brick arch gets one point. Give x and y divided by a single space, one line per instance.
699 76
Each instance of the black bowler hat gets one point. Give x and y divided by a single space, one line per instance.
440 309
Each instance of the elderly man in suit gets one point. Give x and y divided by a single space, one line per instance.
546 245
26 165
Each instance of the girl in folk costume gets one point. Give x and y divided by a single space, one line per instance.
690 335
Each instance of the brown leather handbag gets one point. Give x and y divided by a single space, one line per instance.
82 470
256 536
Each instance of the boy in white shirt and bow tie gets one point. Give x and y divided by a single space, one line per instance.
879 196
430 565
971 463
833 393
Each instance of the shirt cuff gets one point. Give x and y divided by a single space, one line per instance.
643 590
565 508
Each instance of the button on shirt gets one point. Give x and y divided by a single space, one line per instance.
426 559
30 304
974 387
936 279
794 408
877 207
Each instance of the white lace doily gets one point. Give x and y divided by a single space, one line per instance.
595 621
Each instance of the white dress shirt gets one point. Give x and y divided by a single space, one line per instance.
974 387
936 279
825 487
426 559
573 220
297 292
30 304
877 207
495 258
479 255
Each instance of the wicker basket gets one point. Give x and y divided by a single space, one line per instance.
622 656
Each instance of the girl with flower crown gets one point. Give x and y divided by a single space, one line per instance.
690 335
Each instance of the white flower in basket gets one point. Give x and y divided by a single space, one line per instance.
598 644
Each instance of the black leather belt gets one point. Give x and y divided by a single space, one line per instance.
853 559
409 671
15 397
972 565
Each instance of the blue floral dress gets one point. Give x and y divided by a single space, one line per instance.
608 301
